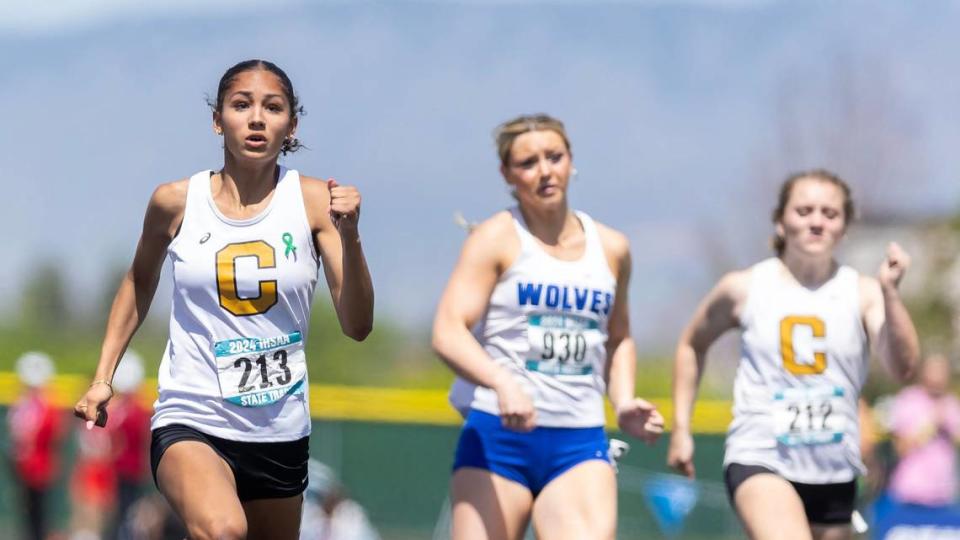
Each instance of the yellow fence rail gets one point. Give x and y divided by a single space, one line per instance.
369 404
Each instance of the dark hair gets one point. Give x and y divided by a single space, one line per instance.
508 132
822 175
289 145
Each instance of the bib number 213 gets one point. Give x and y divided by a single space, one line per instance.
255 372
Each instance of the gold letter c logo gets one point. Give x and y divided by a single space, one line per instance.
227 278
789 354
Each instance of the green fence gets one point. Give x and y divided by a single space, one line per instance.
400 474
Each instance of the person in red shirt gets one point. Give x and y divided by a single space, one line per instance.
111 462
129 429
35 429
92 484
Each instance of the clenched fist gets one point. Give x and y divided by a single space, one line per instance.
344 206
894 266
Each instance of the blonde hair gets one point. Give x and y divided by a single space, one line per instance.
786 189
508 131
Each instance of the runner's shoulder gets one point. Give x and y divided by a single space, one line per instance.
614 242
495 237
495 227
171 197
168 203
314 187
734 286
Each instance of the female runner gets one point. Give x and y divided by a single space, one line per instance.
545 288
808 325
231 425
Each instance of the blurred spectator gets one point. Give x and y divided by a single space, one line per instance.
925 424
328 514
872 482
93 484
34 427
129 428
151 518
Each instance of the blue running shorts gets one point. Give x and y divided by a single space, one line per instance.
533 458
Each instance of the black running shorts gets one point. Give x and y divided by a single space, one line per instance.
263 470
825 504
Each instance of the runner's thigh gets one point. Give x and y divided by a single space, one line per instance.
579 504
200 487
487 506
771 509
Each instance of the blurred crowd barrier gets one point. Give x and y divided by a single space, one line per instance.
384 458
389 450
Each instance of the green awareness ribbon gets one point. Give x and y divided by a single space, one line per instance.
288 240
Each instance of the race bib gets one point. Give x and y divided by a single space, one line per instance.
809 416
562 344
255 372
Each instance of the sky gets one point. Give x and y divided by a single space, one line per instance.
684 117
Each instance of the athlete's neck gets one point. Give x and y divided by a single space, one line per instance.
811 272
246 184
551 226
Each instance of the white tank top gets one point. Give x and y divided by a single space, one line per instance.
804 360
546 322
234 365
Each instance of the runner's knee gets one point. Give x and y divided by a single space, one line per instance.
602 529
218 528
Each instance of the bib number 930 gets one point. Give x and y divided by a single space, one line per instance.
560 344
564 346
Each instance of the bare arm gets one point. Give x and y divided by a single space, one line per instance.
716 314
163 217
635 416
334 214
482 260
888 324
621 349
